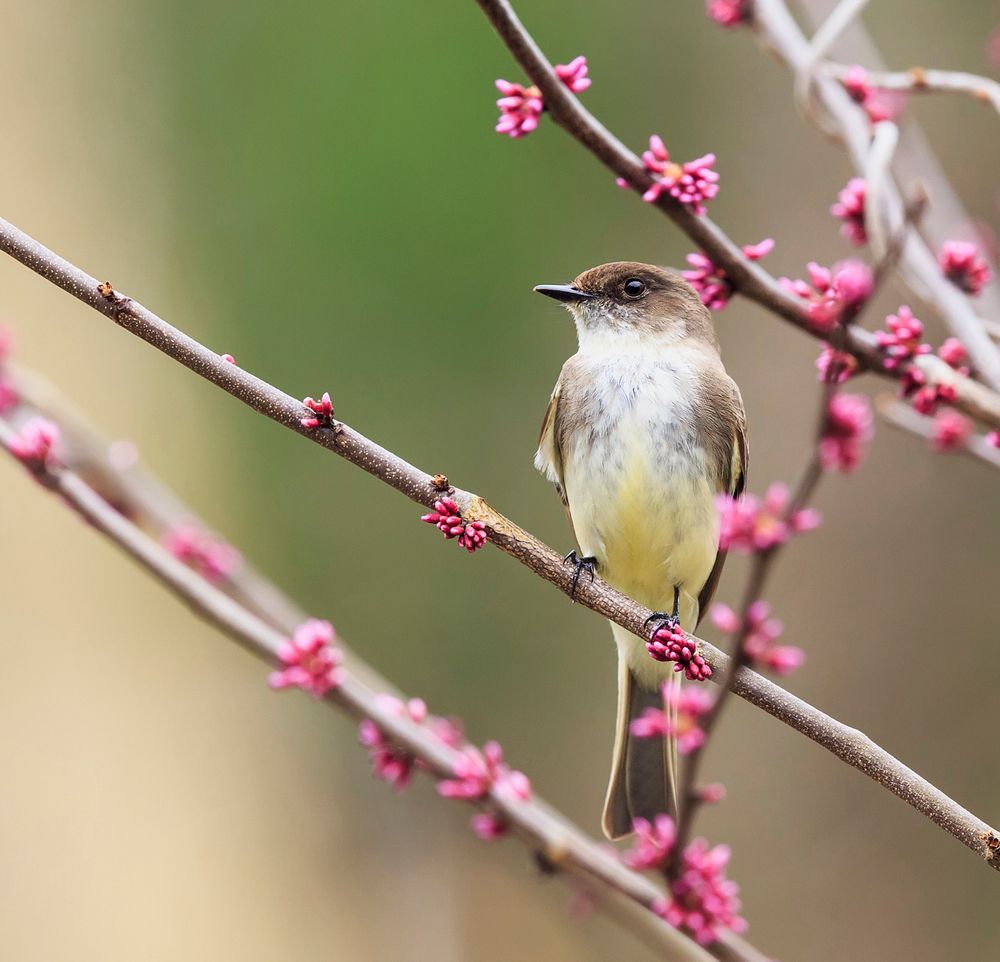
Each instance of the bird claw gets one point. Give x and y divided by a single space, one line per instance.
579 564
662 620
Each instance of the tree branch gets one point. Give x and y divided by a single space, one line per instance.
923 80
746 276
846 743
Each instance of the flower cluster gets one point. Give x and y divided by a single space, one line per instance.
213 559
678 719
702 900
964 266
903 340
477 772
730 13
691 184
846 432
762 631
669 643
448 520
832 292
877 103
846 364
390 763
322 412
951 431
954 354
654 841
34 444
709 279
850 208
311 659
521 107
749 524
925 398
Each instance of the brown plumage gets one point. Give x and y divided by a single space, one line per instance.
643 430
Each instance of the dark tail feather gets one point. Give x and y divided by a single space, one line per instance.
640 774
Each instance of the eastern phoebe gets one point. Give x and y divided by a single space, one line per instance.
643 431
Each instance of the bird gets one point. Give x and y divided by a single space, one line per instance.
643 431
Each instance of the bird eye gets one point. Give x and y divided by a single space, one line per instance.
634 287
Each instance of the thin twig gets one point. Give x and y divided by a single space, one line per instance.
845 742
777 30
902 416
925 80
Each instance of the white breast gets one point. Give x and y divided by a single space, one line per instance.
640 489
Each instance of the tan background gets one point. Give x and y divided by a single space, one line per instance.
321 194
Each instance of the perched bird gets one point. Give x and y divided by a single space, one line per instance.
643 431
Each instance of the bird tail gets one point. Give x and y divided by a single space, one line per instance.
642 769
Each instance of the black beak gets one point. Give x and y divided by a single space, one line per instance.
564 292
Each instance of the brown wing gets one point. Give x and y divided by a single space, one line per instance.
548 460
736 477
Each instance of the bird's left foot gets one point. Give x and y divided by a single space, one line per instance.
579 565
661 619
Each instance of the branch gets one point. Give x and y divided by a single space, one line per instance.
779 33
904 417
922 80
561 846
845 742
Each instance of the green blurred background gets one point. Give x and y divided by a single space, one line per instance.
318 190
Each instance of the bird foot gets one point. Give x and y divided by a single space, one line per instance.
579 565
661 619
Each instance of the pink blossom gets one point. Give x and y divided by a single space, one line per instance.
712 793
520 108
993 438
702 901
832 292
964 266
850 208
389 762
761 634
322 409
447 730
34 444
903 339
846 432
472 535
669 643
478 772
846 364
213 559
489 826
8 395
653 843
954 354
229 359
311 659
730 13
951 431
691 184
925 398
709 279
748 524
679 718
878 104
574 74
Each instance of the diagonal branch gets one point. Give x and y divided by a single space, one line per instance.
748 277
847 743
561 846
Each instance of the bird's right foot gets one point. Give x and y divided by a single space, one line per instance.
579 565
